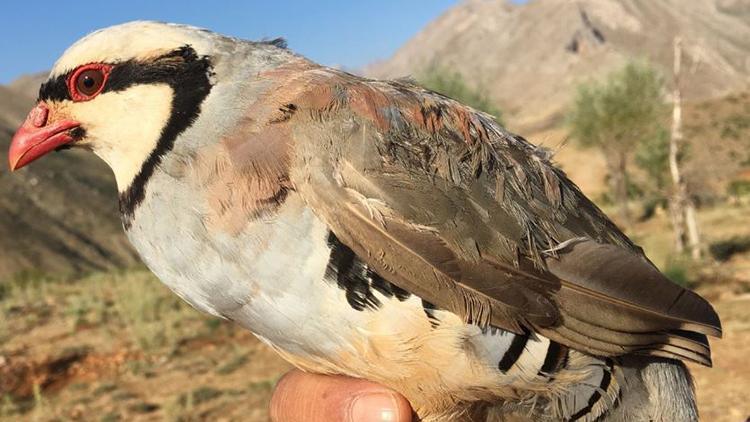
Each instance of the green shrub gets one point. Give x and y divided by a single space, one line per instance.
739 188
679 272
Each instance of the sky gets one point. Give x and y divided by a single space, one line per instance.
346 33
349 33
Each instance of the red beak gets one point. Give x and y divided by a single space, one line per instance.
36 138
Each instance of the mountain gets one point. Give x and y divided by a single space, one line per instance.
17 98
28 85
13 106
58 215
529 58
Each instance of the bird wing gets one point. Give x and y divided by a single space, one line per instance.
445 204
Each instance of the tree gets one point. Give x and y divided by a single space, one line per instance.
615 117
452 84
681 206
652 156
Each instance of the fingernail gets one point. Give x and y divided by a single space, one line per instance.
374 407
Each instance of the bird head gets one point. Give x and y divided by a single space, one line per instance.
125 92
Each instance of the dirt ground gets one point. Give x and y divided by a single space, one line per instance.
90 351
723 389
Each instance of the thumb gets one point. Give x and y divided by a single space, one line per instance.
303 397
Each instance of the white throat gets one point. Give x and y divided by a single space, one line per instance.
124 127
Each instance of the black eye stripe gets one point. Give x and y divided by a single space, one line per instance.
55 89
169 68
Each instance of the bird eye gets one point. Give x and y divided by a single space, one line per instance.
88 81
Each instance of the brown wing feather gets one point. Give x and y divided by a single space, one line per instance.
445 204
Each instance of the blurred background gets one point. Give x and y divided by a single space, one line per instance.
645 104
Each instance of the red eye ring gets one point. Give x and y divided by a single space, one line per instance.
95 74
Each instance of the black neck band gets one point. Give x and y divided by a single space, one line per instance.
188 76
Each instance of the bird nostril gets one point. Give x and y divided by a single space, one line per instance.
38 116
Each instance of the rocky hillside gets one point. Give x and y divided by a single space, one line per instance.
58 215
530 57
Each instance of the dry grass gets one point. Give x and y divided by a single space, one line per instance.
133 304
120 346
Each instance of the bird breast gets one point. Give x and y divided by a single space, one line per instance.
268 276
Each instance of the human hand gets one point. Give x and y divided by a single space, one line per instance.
305 397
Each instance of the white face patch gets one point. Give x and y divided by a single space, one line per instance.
123 127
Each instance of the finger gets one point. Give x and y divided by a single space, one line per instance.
303 397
